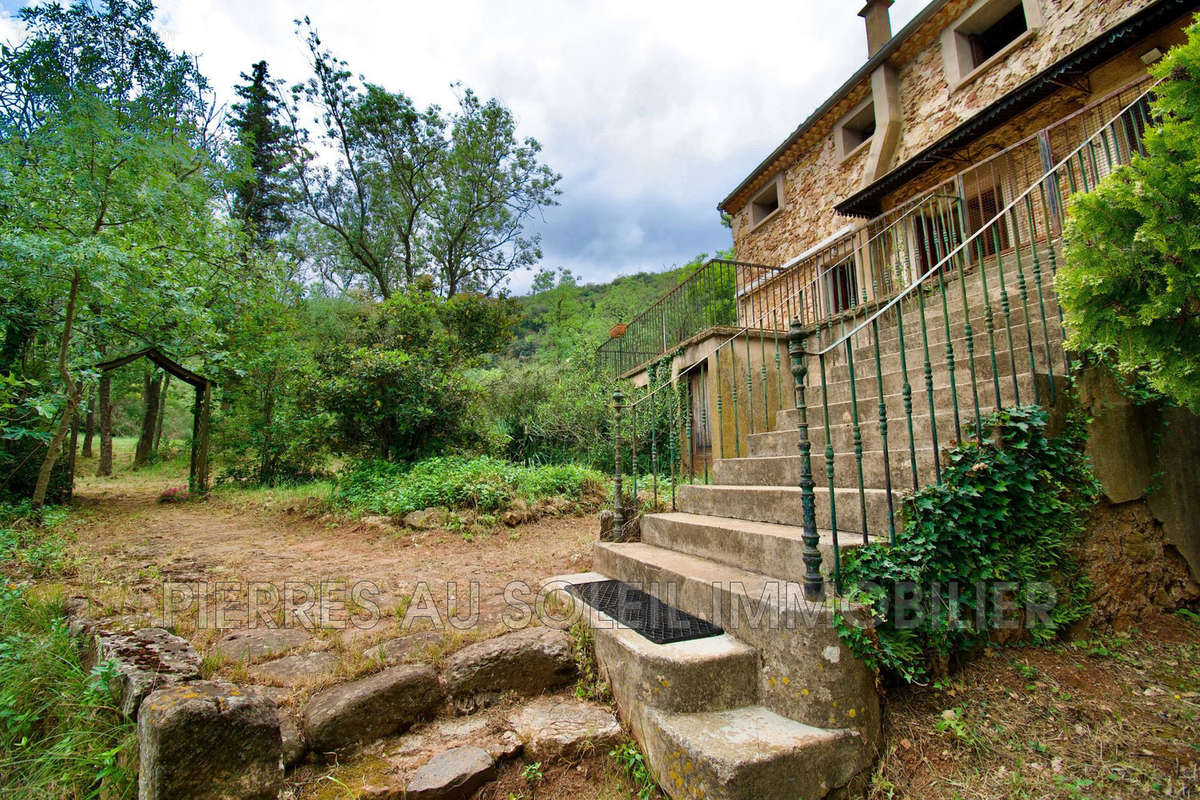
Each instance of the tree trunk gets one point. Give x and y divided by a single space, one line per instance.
153 387
89 427
105 467
73 398
162 412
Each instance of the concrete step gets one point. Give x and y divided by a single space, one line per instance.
782 504
837 379
785 470
762 547
748 753
806 673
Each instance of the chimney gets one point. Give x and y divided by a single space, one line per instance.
879 24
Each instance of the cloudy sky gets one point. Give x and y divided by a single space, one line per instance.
652 111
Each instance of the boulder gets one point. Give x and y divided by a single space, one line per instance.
361 711
529 661
297 669
552 728
256 644
404 648
209 741
146 659
451 775
292 736
425 518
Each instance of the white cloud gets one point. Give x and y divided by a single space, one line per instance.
652 111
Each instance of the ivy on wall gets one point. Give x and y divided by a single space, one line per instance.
985 551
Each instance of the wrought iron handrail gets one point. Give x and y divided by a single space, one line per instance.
948 259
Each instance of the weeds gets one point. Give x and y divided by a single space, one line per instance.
590 685
61 734
637 772
484 484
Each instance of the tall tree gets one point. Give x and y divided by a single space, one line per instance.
492 184
106 188
261 191
403 192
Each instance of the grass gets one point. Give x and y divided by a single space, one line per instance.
61 734
1109 716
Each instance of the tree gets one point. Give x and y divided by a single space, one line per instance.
492 184
399 389
261 184
1130 285
106 188
402 192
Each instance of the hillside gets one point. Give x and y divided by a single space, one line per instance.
562 316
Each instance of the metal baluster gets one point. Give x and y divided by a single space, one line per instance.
833 526
928 366
1023 293
906 387
618 504
814 584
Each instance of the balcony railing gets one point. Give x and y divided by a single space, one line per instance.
708 298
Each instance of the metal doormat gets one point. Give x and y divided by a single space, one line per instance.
649 616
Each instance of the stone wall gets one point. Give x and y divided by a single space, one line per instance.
1146 454
818 178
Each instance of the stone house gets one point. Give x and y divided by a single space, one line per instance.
892 283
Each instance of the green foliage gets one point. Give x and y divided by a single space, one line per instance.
400 193
633 765
61 733
1130 284
483 484
1007 510
33 543
590 685
399 389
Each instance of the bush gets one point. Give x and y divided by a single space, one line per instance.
61 733
482 484
32 544
1130 283
1007 509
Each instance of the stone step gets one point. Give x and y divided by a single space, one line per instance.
748 753
785 470
837 379
782 504
943 398
806 673
762 547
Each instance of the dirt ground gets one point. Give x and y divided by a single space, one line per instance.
1104 715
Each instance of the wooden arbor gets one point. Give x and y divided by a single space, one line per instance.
198 471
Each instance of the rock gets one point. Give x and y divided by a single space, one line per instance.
529 661
146 659
506 745
427 518
556 728
452 775
292 736
364 710
209 741
76 606
256 644
377 523
404 648
297 669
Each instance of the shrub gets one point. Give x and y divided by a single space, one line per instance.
61 733
1007 509
32 544
483 484
1130 283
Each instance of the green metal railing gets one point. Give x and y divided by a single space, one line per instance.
708 298
900 338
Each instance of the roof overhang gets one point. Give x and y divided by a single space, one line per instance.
867 202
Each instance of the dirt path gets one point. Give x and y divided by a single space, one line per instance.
135 553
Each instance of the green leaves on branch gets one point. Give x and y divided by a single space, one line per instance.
1130 285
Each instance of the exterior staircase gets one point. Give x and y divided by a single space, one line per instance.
777 708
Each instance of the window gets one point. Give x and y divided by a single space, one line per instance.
991 40
856 128
986 31
766 202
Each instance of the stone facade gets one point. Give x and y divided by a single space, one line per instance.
816 177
